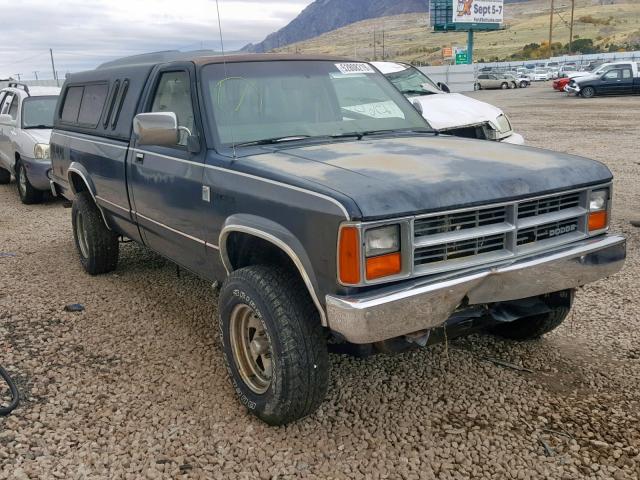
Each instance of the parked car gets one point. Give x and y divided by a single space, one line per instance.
615 81
521 81
328 208
560 84
487 81
26 119
450 113
541 75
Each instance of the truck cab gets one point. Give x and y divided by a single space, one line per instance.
328 210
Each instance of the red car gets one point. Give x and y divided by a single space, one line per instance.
560 83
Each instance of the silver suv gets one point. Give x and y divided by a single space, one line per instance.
26 119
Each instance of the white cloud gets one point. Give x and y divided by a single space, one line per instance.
84 34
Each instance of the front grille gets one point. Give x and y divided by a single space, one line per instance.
449 241
459 221
548 205
548 231
459 250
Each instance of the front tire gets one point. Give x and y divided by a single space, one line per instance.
5 176
28 194
588 92
477 87
504 86
273 343
97 246
523 84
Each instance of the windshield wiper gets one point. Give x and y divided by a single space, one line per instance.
361 135
416 92
37 126
272 141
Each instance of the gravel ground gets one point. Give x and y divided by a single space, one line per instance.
134 386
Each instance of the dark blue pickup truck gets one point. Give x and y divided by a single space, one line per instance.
618 79
330 212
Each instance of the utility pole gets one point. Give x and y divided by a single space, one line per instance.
383 52
18 75
573 7
551 28
375 51
53 68
36 75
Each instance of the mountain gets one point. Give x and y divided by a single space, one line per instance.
327 15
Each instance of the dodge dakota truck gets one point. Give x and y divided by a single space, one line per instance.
327 208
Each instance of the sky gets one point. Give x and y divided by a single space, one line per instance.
84 34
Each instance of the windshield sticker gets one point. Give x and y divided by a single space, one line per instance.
350 68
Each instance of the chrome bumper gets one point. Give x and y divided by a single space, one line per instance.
422 304
575 90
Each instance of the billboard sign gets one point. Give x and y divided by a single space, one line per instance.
447 52
478 11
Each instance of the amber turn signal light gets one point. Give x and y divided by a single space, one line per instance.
384 266
598 220
349 256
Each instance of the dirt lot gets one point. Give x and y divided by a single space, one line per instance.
134 387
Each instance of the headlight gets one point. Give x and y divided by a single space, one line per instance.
41 151
379 241
598 200
598 210
503 124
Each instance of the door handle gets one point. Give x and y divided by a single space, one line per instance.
139 157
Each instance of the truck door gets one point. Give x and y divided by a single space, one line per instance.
165 183
610 82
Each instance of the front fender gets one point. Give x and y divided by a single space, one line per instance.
282 238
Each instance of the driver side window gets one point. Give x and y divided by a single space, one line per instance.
174 95
612 75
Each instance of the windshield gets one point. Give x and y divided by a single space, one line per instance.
37 112
254 101
412 81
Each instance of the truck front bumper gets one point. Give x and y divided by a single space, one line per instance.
574 90
425 303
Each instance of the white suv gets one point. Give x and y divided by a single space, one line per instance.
26 119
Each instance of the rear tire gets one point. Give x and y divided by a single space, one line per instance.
274 346
5 176
504 86
97 246
531 328
28 194
477 86
588 92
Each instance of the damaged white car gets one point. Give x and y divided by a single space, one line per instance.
450 113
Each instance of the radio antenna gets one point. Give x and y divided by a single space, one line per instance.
226 75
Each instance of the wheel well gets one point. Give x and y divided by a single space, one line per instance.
17 157
77 183
244 249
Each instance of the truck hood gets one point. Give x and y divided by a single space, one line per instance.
451 110
585 78
392 177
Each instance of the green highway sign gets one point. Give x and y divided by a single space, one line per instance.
461 56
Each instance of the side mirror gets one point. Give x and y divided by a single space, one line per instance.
158 128
418 106
7 119
444 87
